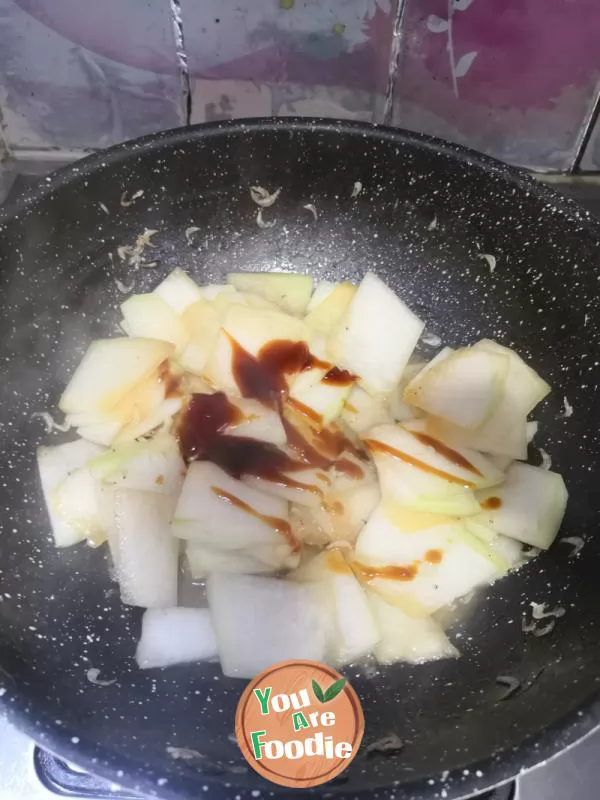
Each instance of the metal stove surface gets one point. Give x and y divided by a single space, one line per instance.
28 773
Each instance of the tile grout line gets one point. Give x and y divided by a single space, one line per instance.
388 108
182 60
585 135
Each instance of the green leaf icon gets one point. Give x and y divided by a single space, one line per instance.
334 690
318 692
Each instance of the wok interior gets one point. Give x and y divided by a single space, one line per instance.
60 614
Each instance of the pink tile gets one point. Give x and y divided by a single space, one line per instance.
77 75
340 43
515 78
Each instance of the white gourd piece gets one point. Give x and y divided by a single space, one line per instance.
462 462
110 370
328 305
148 316
151 465
321 292
410 541
353 631
212 291
175 636
256 301
530 505
253 328
404 638
84 418
148 556
224 301
362 411
258 422
291 292
179 290
77 500
500 462
531 428
417 476
524 387
324 400
218 369
463 388
344 514
508 439
55 463
260 621
376 336
107 509
312 393
218 510
306 487
160 417
103 433
201 324
361 471
203 560
311 526
399 410
414 367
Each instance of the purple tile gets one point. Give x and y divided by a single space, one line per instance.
515 79
330 57
85 75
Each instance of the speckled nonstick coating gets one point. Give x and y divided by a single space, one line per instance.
60 614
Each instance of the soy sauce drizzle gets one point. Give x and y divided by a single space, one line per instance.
171 382
338 377
381 447
303 409
491 503
202 434
390 572
203 424
433 556
447 452
279 525
202 437
264 376
406 572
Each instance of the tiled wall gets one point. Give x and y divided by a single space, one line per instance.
514 78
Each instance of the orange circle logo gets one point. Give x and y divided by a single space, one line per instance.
299 723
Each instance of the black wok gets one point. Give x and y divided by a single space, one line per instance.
60 614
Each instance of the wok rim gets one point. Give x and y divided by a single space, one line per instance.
98 759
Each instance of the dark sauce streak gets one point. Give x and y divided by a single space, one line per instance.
202 434
264 376
433 556
202 427
394 572
281 526
349 468
307 453
391 572
171 382
303 409
380 447
202 437
491 503
447 452
338 377
336 442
